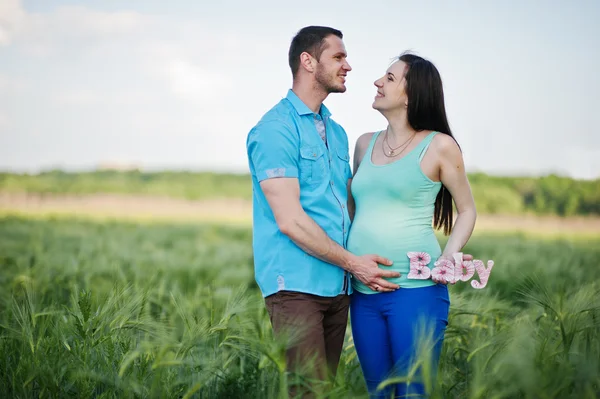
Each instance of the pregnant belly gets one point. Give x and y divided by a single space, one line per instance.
393 245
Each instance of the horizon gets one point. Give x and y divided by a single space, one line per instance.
98 169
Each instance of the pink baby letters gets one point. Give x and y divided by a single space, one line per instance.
418 265
447 272
484 274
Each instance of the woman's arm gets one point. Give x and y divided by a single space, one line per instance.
453 176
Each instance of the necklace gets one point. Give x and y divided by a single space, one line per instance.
392 151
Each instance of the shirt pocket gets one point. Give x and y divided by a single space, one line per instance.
312 164
343 162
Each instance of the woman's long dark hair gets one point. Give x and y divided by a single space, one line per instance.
426 111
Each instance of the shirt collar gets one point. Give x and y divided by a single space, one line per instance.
302 109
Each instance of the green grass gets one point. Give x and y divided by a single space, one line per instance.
150 310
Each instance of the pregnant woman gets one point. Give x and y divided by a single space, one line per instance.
406 178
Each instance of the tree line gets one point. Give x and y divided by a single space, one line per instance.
547 195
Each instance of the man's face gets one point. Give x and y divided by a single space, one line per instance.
332 68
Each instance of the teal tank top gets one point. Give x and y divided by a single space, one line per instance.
394 213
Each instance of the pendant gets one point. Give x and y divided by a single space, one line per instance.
391 152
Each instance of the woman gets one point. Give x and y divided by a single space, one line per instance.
405 180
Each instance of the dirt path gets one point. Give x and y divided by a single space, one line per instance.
232 210
127 206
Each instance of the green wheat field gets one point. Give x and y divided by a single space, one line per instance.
115 309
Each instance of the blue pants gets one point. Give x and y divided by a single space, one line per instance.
388 331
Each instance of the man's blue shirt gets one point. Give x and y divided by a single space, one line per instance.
286 143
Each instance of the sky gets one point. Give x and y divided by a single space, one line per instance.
178 84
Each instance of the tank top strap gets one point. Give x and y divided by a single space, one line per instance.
424 145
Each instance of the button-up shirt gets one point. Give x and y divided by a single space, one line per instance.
287 143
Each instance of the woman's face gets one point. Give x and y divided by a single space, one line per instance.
391 93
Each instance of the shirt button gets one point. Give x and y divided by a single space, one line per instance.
331 182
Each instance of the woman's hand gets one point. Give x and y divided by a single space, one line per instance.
445 269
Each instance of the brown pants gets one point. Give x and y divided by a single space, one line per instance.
314 329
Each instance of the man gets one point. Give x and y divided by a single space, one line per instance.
299 162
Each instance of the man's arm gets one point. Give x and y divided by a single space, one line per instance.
273 152
283 195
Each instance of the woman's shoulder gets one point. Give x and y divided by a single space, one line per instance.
360 149
446 146
362 142
443 141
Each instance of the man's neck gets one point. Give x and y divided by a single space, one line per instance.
312 97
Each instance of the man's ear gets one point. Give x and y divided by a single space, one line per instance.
308 62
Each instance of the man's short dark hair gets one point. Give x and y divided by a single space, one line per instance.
310 39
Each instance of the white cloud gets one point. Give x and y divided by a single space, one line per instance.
4 123
11 85
98 23
41 34
9 88
11 18
583 163
194 83
77 97
194 66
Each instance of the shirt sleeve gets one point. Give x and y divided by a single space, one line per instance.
273 150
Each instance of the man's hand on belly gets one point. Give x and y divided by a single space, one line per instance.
366 269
